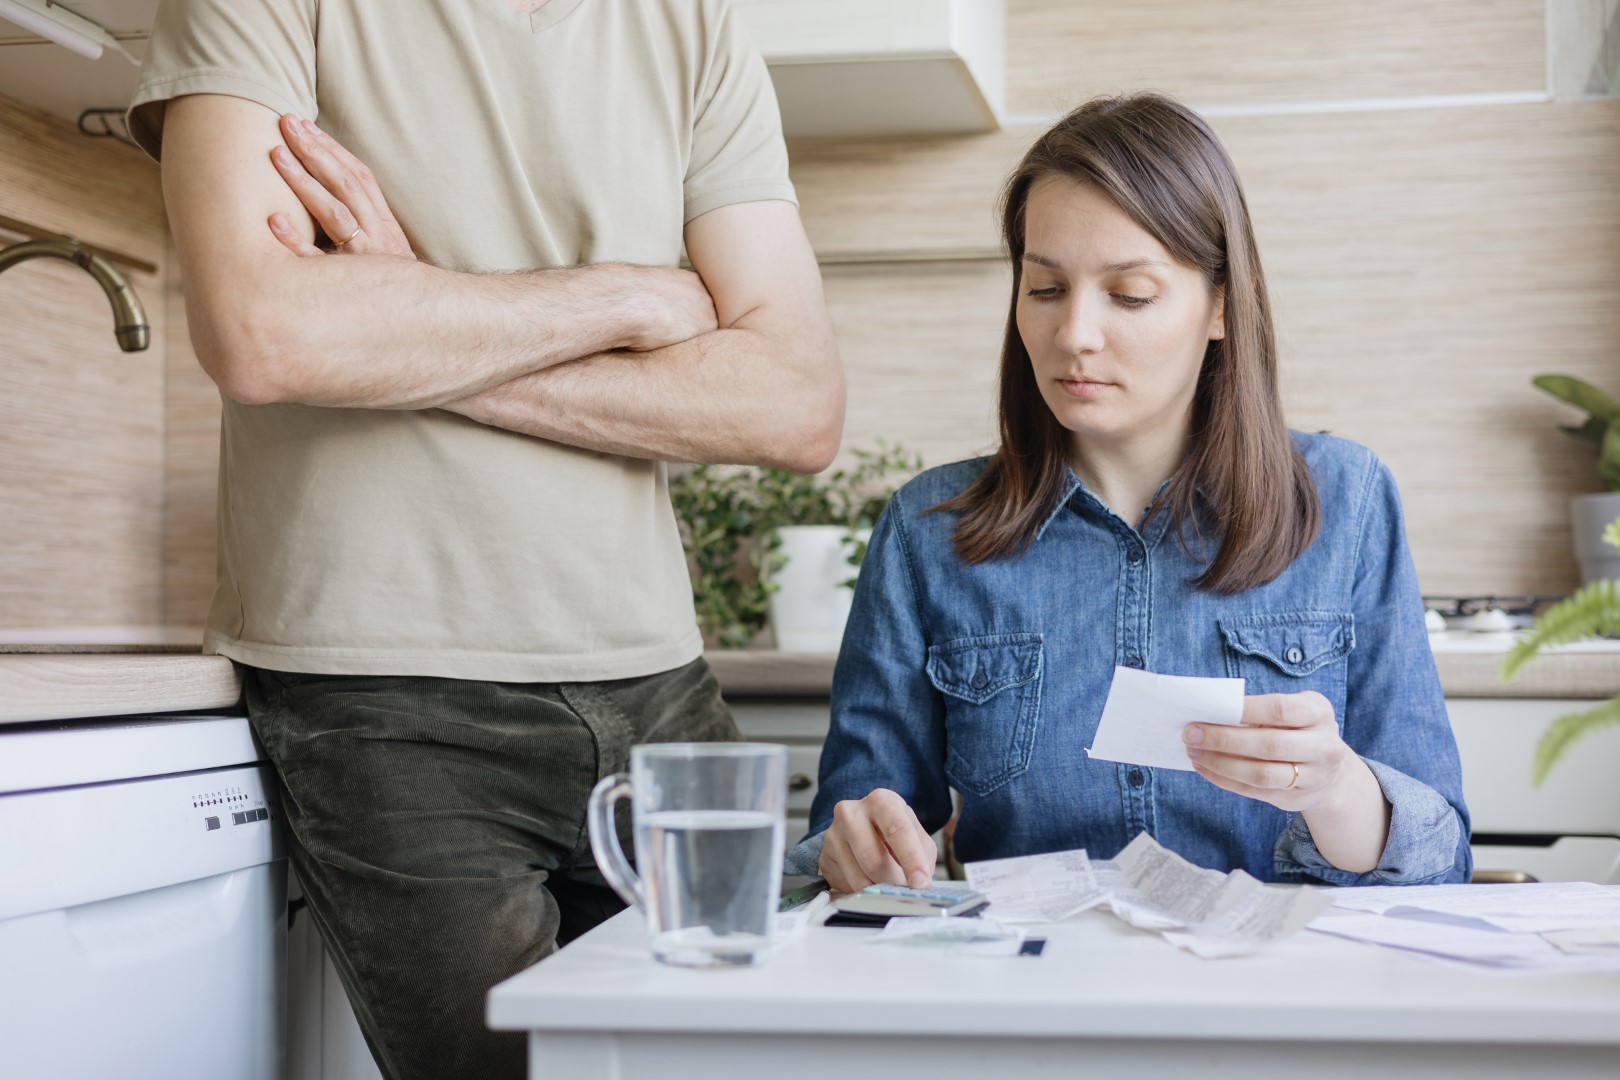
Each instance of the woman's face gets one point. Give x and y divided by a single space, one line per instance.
1116 327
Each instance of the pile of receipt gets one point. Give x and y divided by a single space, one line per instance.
1531 929
1209 913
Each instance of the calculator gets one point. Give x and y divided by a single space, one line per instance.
939 898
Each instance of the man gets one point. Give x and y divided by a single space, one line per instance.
447 556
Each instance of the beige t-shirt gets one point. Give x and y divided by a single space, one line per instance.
422 543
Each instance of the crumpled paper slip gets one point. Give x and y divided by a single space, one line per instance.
1204 911
1037 888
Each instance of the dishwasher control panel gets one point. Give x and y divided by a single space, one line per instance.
230 806
90 843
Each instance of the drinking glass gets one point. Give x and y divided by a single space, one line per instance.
708 822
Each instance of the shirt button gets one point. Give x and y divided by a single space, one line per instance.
979 681
1133 661
1136 778
1134 554
1295 654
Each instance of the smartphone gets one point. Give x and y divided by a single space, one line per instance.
797 889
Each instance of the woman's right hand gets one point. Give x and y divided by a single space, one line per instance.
876 840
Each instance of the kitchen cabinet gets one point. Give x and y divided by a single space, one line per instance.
1517 826
324 1041
799 724
49 77
847 68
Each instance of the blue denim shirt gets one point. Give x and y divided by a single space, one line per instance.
990 679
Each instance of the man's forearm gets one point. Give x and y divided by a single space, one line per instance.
389 333
372 331
734 396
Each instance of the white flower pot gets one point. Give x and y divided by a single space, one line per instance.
1589 515
811 603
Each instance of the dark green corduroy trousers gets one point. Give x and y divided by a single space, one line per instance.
438 829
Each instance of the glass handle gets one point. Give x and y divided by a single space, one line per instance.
605 840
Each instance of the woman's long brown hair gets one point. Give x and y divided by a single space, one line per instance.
1161 165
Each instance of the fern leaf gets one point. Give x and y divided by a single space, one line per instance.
1566 729
1594 609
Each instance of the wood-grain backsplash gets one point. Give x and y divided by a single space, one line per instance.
1428 252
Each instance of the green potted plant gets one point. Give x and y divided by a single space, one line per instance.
770 544
1593 610
1589 513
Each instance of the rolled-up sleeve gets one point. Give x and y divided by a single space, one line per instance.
1395 718
888 722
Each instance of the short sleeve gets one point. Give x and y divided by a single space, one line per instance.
738 154
261 50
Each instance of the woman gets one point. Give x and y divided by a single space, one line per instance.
1147 508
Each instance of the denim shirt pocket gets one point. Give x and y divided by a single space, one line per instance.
1287 652
992 688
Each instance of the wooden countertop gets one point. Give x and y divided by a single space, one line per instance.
62 687
59 686
1571 673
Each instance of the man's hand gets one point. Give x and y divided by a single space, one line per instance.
343 197
675 308
875 840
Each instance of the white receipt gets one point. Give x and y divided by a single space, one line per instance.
1037 888
1145 713
974 936
1481 949
1529 908
1206 912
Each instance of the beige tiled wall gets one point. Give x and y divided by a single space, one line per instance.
1433 234
1434 230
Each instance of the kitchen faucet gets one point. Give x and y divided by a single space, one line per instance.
130 325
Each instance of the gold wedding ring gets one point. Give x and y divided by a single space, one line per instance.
346 239
1295 781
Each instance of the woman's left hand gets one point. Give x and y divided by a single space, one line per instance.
1287 751
340 193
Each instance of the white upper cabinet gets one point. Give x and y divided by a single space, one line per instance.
884 67
63 83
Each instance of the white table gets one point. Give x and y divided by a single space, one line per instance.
1104 1000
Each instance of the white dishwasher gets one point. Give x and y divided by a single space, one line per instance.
143 902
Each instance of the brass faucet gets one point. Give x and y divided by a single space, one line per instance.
129 318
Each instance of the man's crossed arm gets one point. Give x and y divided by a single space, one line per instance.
735 363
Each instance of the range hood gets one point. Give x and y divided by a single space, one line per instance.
851 68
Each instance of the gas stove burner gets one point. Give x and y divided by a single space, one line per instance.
1484 614
1472 605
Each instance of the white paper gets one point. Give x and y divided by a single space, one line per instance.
1529 908
1600 942
1481 949
1143 718
1204 911
791 923
974 936
1037 888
